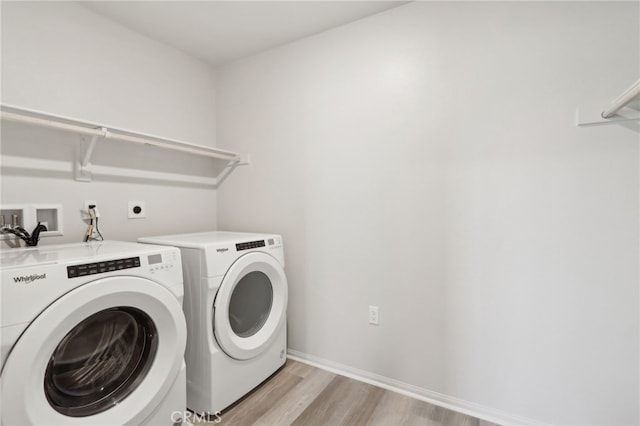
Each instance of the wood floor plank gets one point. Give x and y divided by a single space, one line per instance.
302 395
297 399
300 368
361 414
428 414
259 401
394 409
342 402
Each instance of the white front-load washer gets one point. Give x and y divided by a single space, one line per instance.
92 334
235 306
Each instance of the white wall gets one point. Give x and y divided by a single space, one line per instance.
61 58
426 160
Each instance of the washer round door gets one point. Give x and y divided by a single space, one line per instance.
105 353
250 306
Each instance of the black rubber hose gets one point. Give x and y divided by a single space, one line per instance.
18 234
35 235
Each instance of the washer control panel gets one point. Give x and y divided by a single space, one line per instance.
153 263
161 262
93 268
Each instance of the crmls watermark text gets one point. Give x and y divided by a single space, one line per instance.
26 279
179 417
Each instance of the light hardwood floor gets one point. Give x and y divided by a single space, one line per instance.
302 395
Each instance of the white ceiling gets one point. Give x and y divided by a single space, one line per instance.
222 31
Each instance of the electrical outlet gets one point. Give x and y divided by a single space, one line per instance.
88 203
85 208
374 317
137 210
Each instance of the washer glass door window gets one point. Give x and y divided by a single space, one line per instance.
250 306
106 352
100 361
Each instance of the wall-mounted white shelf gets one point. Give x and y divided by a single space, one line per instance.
83 167
625 107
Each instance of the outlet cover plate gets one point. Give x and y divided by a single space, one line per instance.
374 315
139 207
85 207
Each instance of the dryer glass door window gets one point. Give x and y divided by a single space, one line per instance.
250 304
100 361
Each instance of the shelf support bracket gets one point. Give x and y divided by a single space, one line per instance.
226 172
619 110
591 115
230 167
83 156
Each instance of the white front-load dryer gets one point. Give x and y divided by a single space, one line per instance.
92 334
235 306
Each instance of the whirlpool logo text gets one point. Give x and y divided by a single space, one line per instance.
28 279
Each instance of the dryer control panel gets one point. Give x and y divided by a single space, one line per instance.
269 242
249 245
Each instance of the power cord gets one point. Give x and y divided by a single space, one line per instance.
98 230
91 212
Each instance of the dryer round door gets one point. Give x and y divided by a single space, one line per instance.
107 352
250 306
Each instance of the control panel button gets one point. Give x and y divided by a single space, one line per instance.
250 245
75 271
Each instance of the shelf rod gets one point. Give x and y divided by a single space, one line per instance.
161 144
44 122
622 100
110 133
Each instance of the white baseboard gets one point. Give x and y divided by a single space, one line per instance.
435 398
